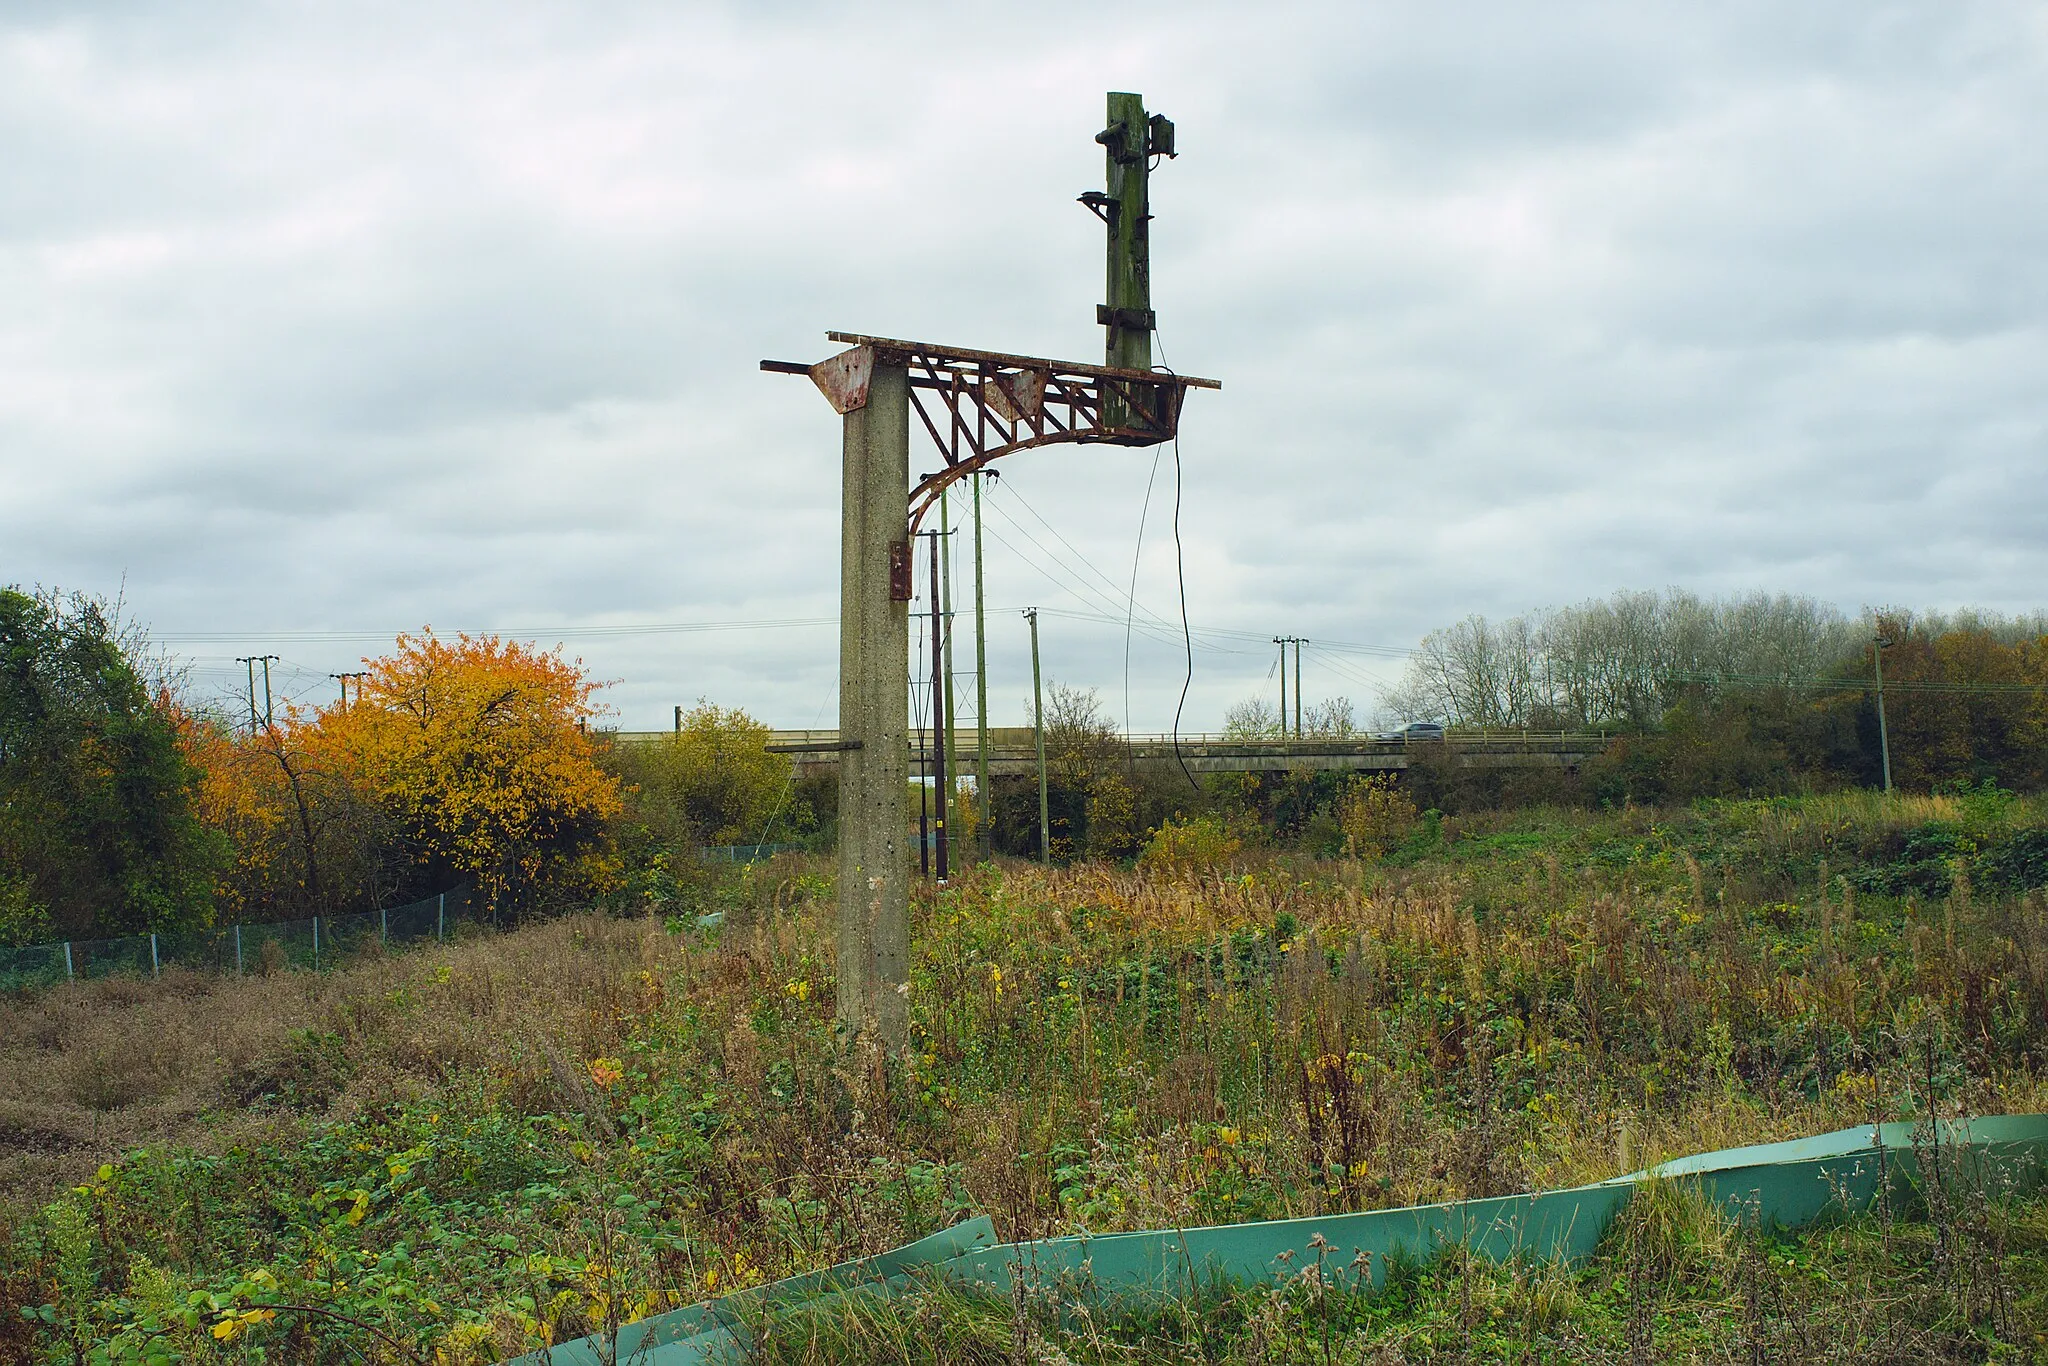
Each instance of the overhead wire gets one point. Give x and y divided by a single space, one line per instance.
1114 598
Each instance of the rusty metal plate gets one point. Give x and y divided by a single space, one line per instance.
843 379
1017 395
900 588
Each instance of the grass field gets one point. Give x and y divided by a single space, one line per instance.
469 1151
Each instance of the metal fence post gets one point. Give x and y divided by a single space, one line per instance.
316 942
441 917
238 948
155 970
69 975
383 925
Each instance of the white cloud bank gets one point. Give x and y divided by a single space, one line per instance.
340 318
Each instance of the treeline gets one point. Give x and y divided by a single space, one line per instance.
1748 696
1752 694
126 808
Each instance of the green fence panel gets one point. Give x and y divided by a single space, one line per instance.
39 965
92 958
412 924
201 950
250 947
344 935
743 853
1784 1184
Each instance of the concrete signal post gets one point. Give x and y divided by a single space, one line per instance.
976 406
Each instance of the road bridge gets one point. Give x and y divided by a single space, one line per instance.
1013 751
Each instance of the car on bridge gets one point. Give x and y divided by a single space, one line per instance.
1413 731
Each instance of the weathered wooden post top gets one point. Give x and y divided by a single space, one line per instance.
977 407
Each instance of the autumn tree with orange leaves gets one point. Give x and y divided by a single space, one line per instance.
475 750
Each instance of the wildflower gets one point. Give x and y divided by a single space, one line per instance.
798 988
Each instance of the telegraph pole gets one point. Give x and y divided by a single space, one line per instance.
1297 688
1038 730
1281 641
952 796
264 660
1884 739
940 706
984 799
679 718
1129 143
250 660
359 675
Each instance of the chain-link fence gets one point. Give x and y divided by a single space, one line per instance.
319 942
744 853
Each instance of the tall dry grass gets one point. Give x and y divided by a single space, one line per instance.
90 1070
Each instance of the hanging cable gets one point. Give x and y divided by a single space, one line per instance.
1131 598
1187 636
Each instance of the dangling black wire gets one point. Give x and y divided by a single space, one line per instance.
1187 635
1131 605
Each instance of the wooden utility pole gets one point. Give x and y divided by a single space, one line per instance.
1038 732
952 797
1884 739
941 802
250 660
1281 641
1129 142
984 798
1297 688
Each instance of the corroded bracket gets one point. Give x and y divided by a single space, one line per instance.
843 379
979 406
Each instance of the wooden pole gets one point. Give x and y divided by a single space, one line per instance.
1038 730
984 798
1128 313
950 805
941 802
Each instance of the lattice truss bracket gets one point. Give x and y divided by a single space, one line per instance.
979 406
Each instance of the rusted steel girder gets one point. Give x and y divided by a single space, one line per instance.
979 406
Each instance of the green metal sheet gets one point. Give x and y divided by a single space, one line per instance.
1785 1184
700 1332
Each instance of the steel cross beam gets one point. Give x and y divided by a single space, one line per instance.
979 406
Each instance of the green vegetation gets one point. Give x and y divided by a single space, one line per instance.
469 1152
98 827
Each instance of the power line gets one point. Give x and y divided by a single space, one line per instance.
517 633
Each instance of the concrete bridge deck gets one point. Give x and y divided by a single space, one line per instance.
1011 750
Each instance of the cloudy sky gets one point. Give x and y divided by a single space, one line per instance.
322 322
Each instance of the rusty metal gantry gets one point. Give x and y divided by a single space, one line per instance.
979 406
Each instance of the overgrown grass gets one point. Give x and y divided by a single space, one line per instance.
479 1149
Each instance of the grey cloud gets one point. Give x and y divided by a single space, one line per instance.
369 317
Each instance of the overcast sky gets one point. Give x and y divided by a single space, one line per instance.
322 322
